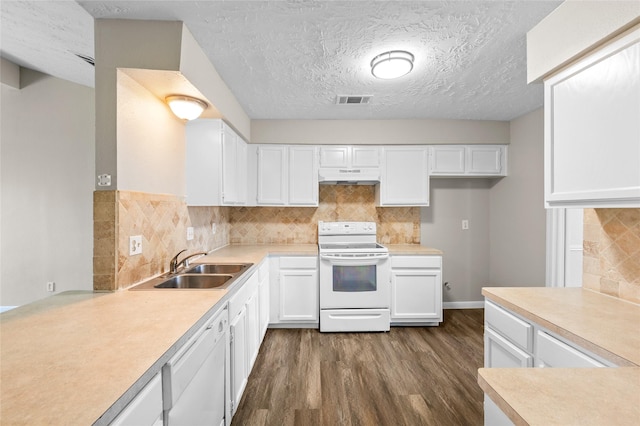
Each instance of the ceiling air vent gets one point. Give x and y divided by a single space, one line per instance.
353 100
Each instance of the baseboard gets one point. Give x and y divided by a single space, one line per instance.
463 305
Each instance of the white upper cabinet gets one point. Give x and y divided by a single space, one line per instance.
303 175
592 129
349 156
468 160
215 164
287 175
404 176
272 175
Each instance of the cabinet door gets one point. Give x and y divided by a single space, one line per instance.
239 364
145 408
484 160
241 171
365 156
263 289
416 294
299 295
253 329
447 160
334 156
405 177
501 353
230 194
272 175
303 176
203 161
592 129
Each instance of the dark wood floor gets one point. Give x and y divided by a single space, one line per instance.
409 376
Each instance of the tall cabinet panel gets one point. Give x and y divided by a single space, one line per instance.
592 129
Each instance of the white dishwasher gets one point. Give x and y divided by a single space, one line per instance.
195 380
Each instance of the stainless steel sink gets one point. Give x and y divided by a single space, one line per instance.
212 276
218 268
196 281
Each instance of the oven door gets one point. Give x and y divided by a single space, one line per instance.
354 281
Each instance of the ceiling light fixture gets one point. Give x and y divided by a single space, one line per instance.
392 64
186 107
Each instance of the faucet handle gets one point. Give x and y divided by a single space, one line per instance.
173 264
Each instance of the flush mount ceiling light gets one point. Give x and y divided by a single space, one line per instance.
186 107
392 64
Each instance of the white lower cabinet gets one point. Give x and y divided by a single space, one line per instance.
264 301
511 341
145 408
416 290
244 336
294 291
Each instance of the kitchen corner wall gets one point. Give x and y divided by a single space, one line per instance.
162 221
299 225
611 262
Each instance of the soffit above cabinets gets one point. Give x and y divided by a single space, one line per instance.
289 60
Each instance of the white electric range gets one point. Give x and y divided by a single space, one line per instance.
354 278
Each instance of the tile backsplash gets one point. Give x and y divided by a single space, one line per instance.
612 252
286 225
162 221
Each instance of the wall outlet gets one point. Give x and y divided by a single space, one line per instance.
189 233
51 286
135 245
465 224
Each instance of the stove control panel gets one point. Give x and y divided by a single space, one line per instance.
346 228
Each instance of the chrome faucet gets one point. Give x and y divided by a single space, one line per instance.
174 264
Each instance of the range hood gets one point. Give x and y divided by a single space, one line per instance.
336 176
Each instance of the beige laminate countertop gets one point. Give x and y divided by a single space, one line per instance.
67 359
412 249
565 396
606 326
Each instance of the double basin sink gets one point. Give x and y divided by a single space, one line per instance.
203 276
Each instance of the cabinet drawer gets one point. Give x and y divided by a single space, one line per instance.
416 262
513 328
551 352
299 262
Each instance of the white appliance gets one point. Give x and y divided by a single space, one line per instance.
195 382
354 278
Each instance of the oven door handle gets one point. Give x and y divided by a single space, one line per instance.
357 258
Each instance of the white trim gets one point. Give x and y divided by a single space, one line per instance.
464 305
6 308
556 219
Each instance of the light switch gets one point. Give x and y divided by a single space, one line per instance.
189 233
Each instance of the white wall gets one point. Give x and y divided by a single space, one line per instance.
466 252
518 217
505 243
151 142
387 132
47 179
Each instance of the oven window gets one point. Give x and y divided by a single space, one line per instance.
354 278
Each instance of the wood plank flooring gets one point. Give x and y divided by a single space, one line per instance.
409 376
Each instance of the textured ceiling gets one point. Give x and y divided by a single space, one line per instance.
289 59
